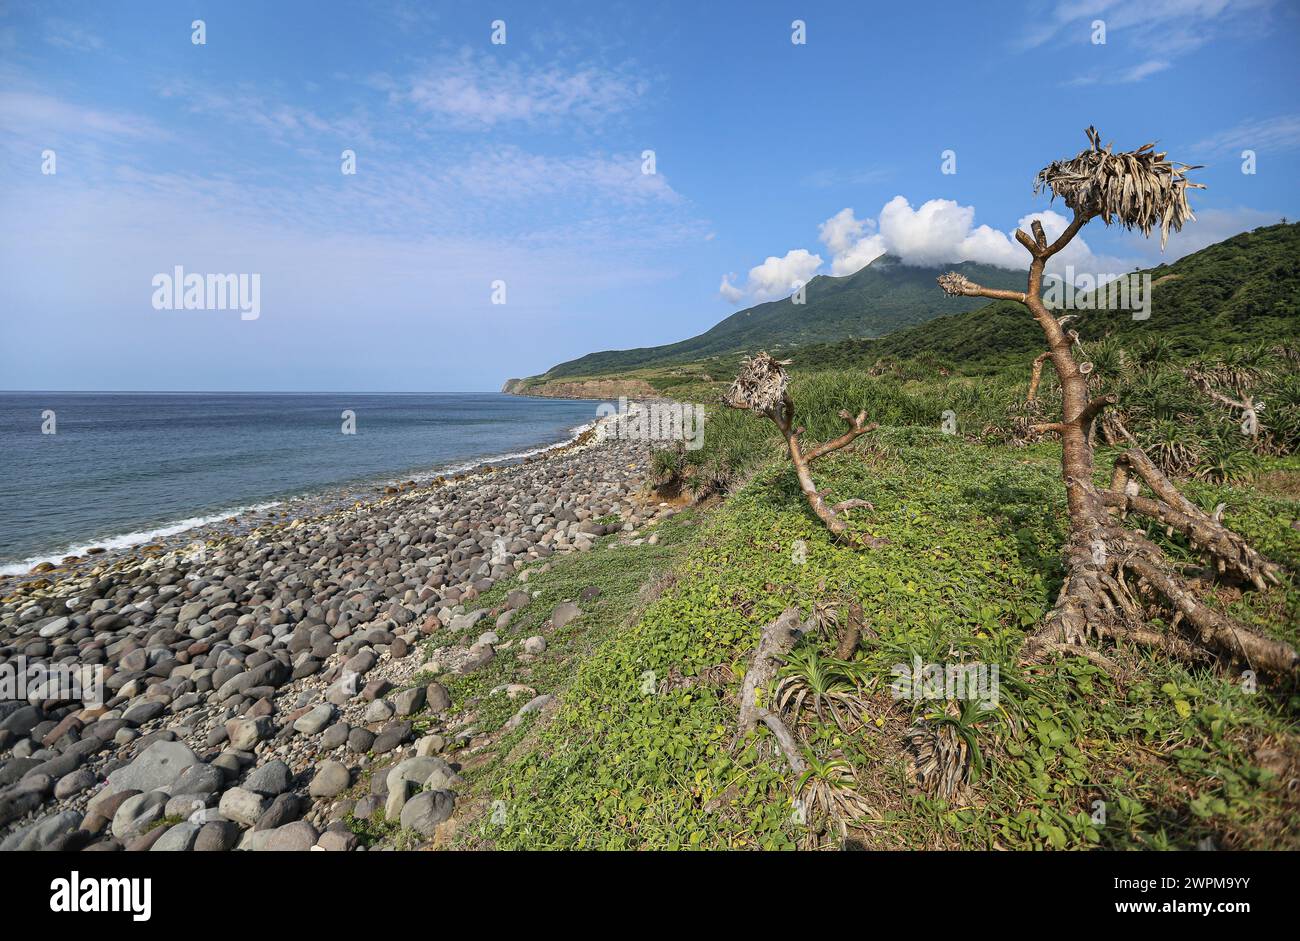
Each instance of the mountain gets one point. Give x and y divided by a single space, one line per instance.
1244 289
881 298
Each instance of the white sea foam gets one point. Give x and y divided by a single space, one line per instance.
142 537
574 433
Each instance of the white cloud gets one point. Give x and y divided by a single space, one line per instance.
858 255
942 231
778 277
841 231
475 91
775 277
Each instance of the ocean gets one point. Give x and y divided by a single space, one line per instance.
126 468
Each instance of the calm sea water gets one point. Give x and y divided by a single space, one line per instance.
127 467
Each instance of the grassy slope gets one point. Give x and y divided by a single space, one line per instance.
973 563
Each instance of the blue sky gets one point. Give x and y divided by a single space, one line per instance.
522 163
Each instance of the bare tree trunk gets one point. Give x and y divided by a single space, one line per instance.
1095 598
784 419
1036 376
776 641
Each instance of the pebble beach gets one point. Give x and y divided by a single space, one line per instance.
268 679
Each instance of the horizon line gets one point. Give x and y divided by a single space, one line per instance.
225 392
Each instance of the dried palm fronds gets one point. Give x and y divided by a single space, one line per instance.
941 760
760 386
1237 377
1139 189
955 284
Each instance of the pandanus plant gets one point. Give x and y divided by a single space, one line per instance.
763 387
1106 558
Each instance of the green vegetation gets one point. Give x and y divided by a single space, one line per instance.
973 562
1243 290
643 751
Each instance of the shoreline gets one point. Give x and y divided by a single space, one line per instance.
169 536
247 688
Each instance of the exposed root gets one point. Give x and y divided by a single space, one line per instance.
1205 532
1096 602
850 632
777 640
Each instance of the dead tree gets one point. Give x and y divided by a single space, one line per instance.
1240 383
774 645
762 387
1036 376
1110 569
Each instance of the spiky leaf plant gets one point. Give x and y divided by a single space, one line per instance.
821 685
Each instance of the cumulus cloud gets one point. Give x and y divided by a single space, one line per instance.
775 277
940 232
778 277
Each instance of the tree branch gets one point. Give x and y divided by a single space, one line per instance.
959 285
1078 222
1037 375
1093 408
856 427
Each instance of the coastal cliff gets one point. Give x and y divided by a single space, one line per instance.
581 388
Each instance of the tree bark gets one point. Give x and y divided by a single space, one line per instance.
1095 599
783 417
776 641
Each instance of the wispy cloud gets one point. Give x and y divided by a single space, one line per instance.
1124 76
280 120
1267 135
68 34
34 117
862 176
1176 26
1156 32
470 90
